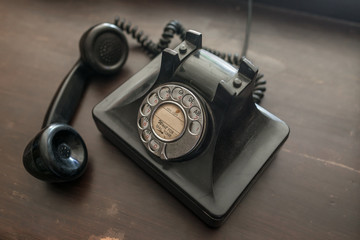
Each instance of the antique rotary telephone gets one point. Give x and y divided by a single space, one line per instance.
188 118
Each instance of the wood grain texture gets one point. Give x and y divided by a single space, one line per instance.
310 191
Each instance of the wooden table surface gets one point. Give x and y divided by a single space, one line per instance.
312 65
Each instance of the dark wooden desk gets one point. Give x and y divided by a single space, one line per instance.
310 191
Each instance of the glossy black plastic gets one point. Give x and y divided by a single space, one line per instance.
68 96
241 136
104 48
58 153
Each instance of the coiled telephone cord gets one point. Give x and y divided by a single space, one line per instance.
172 28
175 28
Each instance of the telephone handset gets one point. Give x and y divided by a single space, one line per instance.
189 120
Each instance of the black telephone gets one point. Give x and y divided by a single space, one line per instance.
189 119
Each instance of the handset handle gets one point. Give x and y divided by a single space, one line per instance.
68 95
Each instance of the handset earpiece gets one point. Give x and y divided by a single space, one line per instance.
58 153
104 48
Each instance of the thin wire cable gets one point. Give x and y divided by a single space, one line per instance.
175 28
248 29
235 58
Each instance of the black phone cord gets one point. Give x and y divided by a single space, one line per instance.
175 28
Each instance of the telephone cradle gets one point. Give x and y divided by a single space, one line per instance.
189 120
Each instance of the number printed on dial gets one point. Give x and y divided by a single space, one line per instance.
171 121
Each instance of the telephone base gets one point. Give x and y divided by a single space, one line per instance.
236 137
212 195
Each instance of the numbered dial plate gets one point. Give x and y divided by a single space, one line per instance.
171 121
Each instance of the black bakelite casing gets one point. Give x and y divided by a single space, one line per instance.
241 137
58 153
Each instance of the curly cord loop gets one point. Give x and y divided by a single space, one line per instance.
175 28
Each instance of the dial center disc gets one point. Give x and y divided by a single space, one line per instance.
168 121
